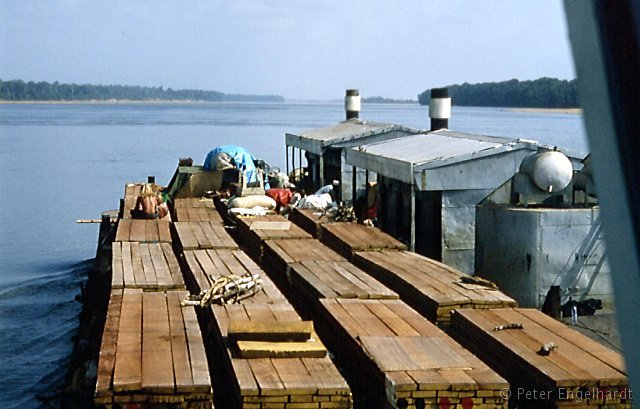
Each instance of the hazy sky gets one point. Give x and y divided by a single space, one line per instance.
294 48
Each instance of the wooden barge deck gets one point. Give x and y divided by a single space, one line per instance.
157 354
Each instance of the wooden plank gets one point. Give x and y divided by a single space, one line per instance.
265 349
128 373
124 230
173 265
164 231
266 376
157 366
149 268
295 377
187 239
197 353
163 275
326 376
136 264
198 233
106 361
179 349
127 264
117 271
138 230
279 331
244 376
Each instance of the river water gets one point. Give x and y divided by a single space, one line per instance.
63 162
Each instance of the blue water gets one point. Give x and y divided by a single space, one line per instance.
63 162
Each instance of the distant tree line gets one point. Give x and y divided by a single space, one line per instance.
18 90
382 100
540 93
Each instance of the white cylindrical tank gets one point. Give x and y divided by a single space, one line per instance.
550 171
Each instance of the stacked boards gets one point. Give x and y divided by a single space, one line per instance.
203 235
310 220
149 266
253 231
547 363
143 230
396 356
152 353
348 238
266 370
432 288
194 209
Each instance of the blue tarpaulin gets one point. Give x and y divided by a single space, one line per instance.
241 157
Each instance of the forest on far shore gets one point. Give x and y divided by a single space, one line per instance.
18 90
540 93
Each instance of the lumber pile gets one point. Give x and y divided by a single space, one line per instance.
203 235
335 279
195 209
432 288
348 238
278 254
310 220
204 267
283 374
254 231
547 363
131 193
269 357
149 266
152 353
394 355
143 230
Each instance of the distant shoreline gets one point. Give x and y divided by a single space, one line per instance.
124 101
568 111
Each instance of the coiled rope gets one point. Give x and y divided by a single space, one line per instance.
229 289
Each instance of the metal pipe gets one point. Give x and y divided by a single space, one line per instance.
352 104
439 108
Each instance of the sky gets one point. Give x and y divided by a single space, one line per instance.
300 49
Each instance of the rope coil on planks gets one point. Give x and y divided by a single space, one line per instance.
229 289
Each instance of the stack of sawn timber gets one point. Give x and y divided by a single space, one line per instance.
279 378
313 271
398 359
348 238
432 288
194 209
575 371
253 231
152 350
310 220
395 356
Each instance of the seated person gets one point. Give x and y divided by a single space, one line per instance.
149 204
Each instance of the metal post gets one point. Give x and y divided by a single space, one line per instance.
321 159
413 218
354 181
352 104
605 37
300 167
286 160
439 108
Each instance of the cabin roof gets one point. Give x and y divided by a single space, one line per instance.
348 133
400 158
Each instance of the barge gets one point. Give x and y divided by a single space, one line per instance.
336 315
